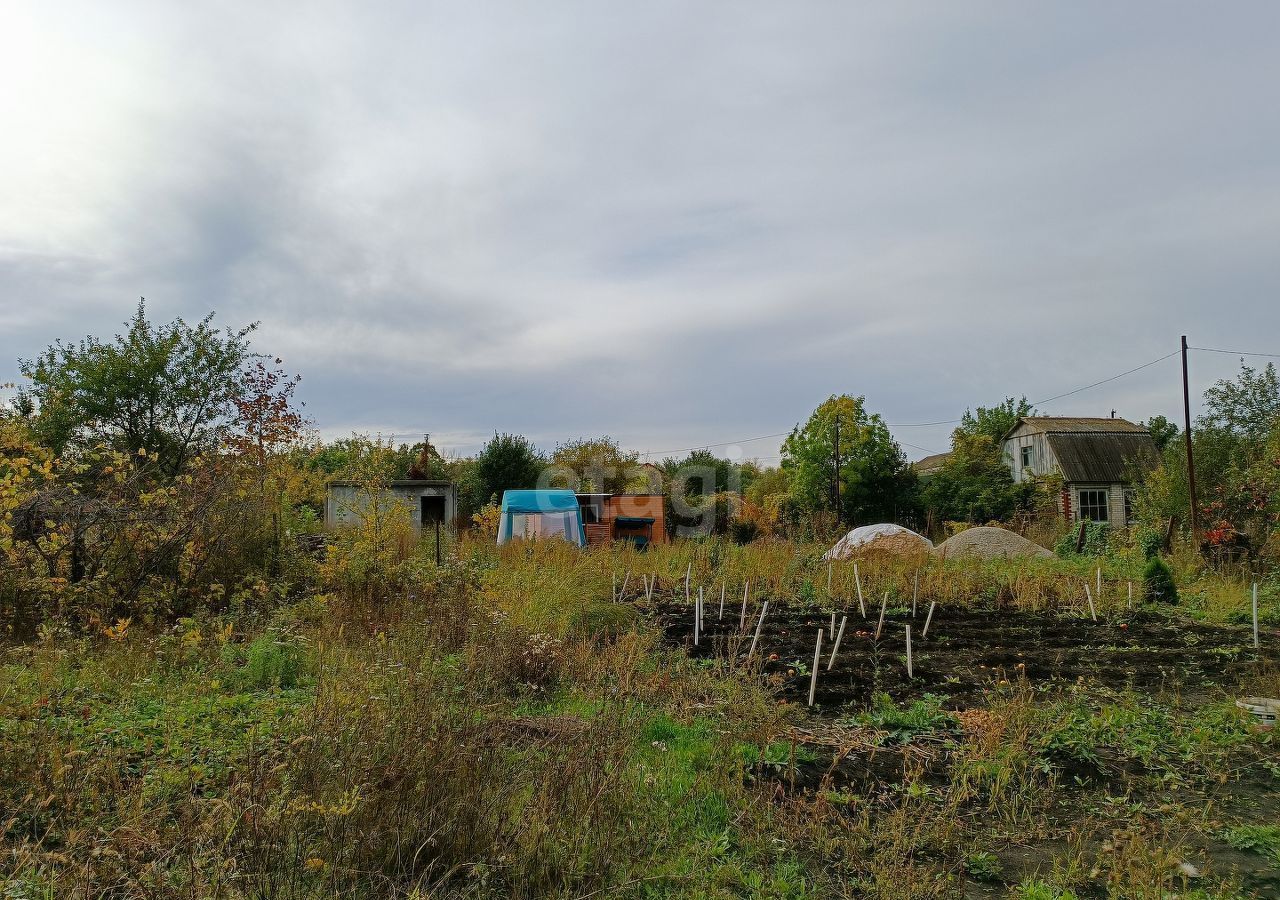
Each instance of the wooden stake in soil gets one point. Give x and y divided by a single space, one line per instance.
835 648
720 618
742 619
1093 613
813 679
625 582
1098 590
833 623
759 625
615 587
928 618
828 578
686 582
1255 616
697 617
857 581
910 674
883 604
1129 603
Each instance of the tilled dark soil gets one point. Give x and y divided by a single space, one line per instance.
966 652
965 655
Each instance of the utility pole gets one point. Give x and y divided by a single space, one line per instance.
1191 463
835 470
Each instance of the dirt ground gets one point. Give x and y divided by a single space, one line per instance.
966 652
965 655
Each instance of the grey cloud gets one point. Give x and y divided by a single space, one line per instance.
675 224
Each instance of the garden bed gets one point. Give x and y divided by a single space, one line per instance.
967 652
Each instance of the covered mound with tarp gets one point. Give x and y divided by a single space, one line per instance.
536 515
890 540
989 542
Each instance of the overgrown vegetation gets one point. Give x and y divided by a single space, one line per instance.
205 695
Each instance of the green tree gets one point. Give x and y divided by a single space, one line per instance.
995 421
1163 432
975 484
1247 406
595 464
508 462
702 472
166 389
875 482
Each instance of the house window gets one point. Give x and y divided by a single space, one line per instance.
1093 504
1027 456
1128 507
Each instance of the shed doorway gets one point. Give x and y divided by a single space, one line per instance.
432 510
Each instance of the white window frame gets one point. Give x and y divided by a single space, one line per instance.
1027 454
1105 507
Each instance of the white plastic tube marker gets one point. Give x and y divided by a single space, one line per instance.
759 625
1255 616
910 673
835 648
813 679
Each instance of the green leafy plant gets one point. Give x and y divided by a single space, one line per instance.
1035 889
983 865
904 723
1157 579
1261 839
272 660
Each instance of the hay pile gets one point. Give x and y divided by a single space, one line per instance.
989 542
891 540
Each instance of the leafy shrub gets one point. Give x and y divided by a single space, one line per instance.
271 661
1157 579
904 723
1149 542
1096 540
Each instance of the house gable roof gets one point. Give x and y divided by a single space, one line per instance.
1094 450
1103 457
930 464
1074 425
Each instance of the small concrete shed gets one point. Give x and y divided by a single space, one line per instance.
428 502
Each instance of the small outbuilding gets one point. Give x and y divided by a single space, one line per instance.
427 501
1098 459
930 465
533 515
638 518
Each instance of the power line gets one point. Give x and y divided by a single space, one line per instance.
926 424
1234 352
1105 380
763 437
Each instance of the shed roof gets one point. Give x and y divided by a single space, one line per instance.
1103 457
931 463
1077 425
539 501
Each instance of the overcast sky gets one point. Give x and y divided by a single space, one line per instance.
679 224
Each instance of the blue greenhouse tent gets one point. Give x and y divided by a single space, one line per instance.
541 514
